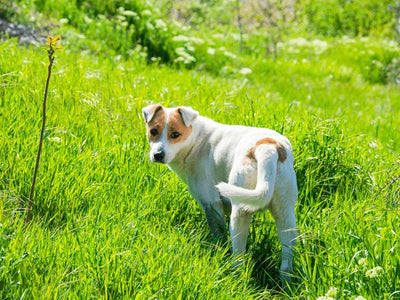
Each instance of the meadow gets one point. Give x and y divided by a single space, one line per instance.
109 224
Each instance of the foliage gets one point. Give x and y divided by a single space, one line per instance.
109 224
152 29
354 18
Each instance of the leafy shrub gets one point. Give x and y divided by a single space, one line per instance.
118 26
355 18
376 60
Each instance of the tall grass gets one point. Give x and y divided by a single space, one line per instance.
109 224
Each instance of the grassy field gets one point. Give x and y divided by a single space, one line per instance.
109 224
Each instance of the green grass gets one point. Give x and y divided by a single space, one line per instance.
109 224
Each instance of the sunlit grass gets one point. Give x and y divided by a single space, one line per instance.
108 224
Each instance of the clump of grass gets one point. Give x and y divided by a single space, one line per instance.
326 165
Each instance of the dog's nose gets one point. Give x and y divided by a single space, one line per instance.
159 156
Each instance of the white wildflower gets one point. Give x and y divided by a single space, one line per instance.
319 46
93 74
245 71
92 100
218 36
325 298
373 145
126 146
211 51
130 106
146 12
184 57
346 40
160 24
179 59
120 18
180 50
177 24
298 42
374 272
332 292
362 262
294 45
364 39
360 298
55 139
63 21
197 41
87 19
345 71
149 26
129 13
226 70
229 54
180 38
236 36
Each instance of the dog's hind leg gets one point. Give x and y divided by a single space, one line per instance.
240 218
282 209
239 229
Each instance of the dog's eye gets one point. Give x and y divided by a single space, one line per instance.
154 132
175 135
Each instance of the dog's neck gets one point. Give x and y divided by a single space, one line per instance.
196 147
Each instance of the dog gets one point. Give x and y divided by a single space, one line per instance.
229 169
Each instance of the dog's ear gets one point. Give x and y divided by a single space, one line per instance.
188 115
150 111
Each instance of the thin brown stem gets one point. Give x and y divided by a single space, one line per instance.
30 201
239 19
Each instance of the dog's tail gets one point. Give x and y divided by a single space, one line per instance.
267 161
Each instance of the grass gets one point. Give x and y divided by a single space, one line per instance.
109 224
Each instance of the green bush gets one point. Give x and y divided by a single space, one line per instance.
376 61
117 27
355 18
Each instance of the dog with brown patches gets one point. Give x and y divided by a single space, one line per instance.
230 170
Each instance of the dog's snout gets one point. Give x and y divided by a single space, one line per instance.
159 156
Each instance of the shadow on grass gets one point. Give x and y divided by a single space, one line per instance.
263 246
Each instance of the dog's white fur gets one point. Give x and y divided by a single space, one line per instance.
233 169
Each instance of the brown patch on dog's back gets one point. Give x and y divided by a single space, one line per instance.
175 124
157 122
282 155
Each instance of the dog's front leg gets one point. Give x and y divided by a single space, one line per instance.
209 199
215 220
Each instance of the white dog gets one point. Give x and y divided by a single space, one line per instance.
233 169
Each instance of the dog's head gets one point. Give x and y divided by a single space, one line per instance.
168 130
